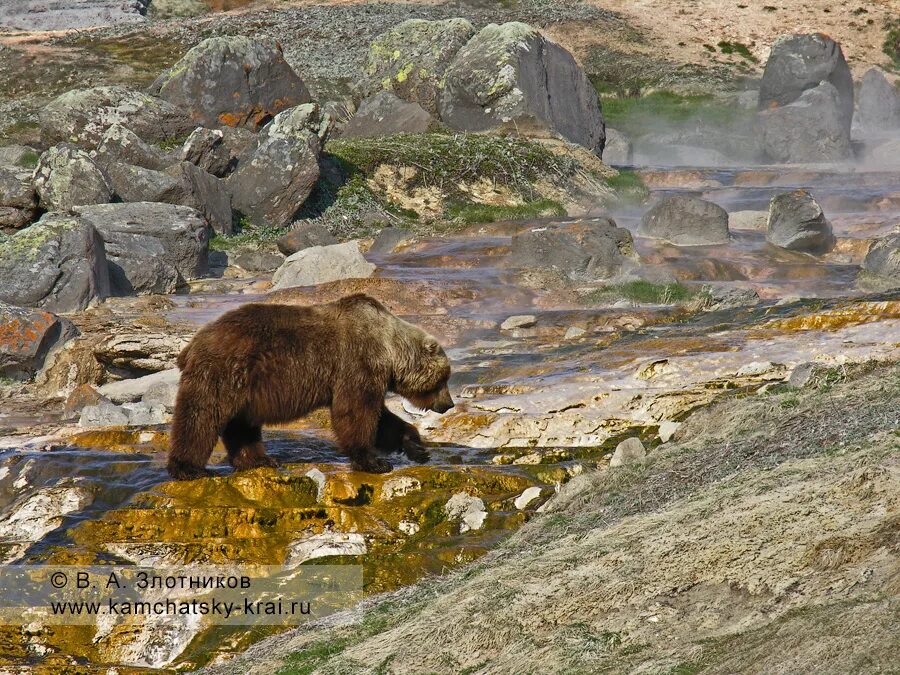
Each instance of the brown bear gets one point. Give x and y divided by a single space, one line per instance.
267 363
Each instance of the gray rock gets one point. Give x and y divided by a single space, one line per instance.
796 222
803 374
519 321
57 264
18 158
810 129
389 238
82 116
411 60
686 221
748 220
66 177
143 414
304 236
798 63
120 144
628 452
50 15
298 122
234 80
618 150
151 248
510 75
271 184
137 184
207 194
583 251
883 258
879 102
103 415
383 114
27 337
136 388
216 151
321 264
719 297
18 201
140 352
162 394
257 261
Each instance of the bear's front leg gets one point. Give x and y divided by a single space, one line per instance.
395 435
354 419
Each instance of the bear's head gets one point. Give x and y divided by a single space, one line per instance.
421 377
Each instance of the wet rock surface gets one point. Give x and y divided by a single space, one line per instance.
686 221
796 222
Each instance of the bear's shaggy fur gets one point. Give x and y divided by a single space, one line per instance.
267 363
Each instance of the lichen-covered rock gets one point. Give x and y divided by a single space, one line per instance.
27 336
216 151
321 264
304 236
151 248
82 116
138 184
234 80
686 221
18 201
57 264
879 102
66 177
120 144
883 258
271 183
584 251
809 129
511 75
796 222
411 59
801 62
383 114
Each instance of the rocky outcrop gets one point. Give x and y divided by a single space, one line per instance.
66 177
511 75
883 259
321 264
57 264
151 248
810 129
796 222
383 114
798 63
120 144
27 336
271 184
18 201
304 236
236 81
583 251
83 116
879 102
45 15
412 58
686 221
216 151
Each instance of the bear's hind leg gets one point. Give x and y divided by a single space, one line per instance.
243 441
395 435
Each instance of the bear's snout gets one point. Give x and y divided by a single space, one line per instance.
442 402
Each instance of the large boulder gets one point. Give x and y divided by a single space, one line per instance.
305 235
137 184
151 248
57 264
879 102
216 151
83 116
686 221
801 62
18 201
808 130
27 336
510 75
411 59
236 81
384 115
796 222
321 264
120 144
883 258
583 251
271 183
66 177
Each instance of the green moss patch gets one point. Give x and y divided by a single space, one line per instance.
635 115
629 187
642 292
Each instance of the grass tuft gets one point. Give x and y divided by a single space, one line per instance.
642 292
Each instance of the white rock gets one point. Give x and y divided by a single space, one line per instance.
467 509
527 496
103 415
399 486
755 368
519 321
324 545
41 512
667 429
319 479
408 527
748 220
574 332
140 414
630 451
321 264
129 391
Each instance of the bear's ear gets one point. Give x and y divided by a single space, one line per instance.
432 346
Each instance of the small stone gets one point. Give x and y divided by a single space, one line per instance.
528 495
467 509
321 264
574 332
399 486
755 368
802 374
318 478
134 389
519 321
408 527
667 429
326 544
628 452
